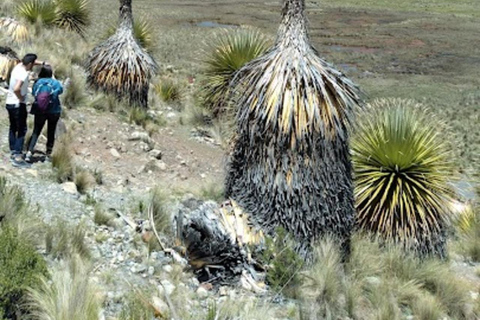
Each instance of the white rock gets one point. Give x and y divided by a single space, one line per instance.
114 153
202 292
139 268
151 271
159 304
167 268
140 136
157 154
69 187
167 286
162 166
223 291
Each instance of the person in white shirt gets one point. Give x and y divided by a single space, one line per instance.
17 108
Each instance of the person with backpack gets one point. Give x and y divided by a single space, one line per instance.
17 107
45 108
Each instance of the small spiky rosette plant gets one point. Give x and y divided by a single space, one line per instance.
228 53
290 165
119 65
402 169
8 60
73 15
14 29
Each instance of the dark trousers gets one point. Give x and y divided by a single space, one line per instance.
39 123
18 127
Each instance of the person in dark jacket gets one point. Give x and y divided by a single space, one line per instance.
51 115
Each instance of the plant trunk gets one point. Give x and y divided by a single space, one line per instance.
126 16
293 28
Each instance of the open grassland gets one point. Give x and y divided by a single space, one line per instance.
423 50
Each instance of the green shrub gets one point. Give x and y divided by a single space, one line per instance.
20 267
283 264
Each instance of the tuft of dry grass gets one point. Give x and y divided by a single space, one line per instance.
18 213
102 217
62 160
63 240
168 91
381 283
84 180
67 294
161 215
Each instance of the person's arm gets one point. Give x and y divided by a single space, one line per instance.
17 90
60 87
41 63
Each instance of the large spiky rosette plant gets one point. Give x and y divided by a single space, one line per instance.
290 164
402 171
119 65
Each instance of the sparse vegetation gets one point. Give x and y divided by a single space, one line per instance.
402 169
382 283
68 294
64 241
169 91
134 308
212 191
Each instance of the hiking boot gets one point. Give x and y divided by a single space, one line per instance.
18 162
28 157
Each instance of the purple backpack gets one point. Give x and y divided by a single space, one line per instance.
43 97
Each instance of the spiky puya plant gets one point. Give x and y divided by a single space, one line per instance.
228 53
38 11
402 169
73 15
290 163
8 60
119 65
14 29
